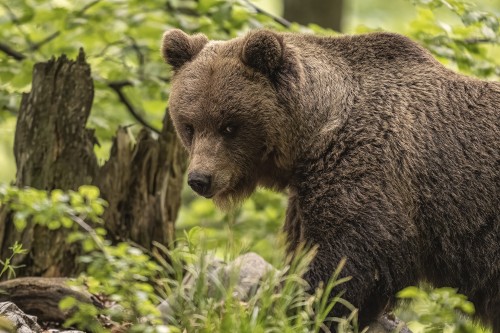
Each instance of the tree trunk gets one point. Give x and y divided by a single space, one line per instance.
327 14
53 149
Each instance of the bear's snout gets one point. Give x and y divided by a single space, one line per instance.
200 183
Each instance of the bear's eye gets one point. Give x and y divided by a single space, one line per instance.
228 130
189 130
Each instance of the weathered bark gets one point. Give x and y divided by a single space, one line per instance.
142 186
327 14
54 149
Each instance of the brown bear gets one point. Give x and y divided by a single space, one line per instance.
389 159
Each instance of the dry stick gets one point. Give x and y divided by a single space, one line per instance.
280 20
86 7
117 88
477 41
11 52
140 56
46 40
85 226
16 21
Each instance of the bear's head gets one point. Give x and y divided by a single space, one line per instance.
229 103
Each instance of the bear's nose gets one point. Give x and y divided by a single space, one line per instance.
199 182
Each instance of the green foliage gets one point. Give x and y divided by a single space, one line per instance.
134 280
127 277
8 267
121 40
53 209
281 304
438 310
121 271
255 226
6 325
472 46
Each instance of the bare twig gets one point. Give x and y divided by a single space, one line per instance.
17 22
46 40
93 234
33 47
87 7
11 52
280 20
117 88
140 56
13 111
476 40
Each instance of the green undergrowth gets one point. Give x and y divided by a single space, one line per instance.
133 282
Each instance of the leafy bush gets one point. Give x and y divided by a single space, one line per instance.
471 47
437 310
135 281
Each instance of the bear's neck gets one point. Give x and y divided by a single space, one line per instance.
314 94
327 89
272 176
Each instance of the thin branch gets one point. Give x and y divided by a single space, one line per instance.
93 234
280 20
140 56
46 40
87 7
10 110
105 48
117 88
17 22
476 40
11 52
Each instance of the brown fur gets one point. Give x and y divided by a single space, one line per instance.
390 160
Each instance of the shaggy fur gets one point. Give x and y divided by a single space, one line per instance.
389 159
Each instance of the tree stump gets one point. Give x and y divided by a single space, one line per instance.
54 149
143 186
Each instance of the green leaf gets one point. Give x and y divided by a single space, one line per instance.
467 307
410 292
53 225
67 303
66 222
20 220
89 192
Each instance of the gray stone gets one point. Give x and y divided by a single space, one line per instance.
389 323
22 322
246 271
244 274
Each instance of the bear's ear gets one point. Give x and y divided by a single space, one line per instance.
263 51
177 47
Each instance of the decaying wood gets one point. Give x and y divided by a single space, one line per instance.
143 186
53 148
41 296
